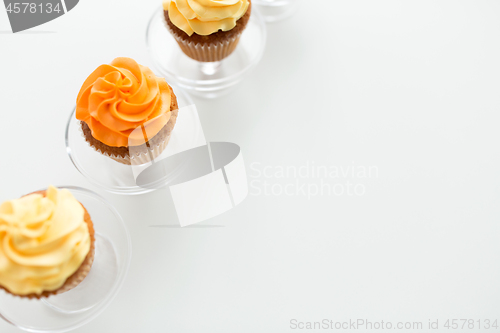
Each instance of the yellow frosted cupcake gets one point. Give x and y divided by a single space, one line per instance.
47 243
207 30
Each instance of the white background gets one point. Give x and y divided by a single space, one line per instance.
411 87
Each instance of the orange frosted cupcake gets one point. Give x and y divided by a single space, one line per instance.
207 30
126 112
47 242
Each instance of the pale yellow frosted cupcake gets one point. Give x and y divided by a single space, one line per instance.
207 30
47 242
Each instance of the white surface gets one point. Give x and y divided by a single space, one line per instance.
411 88
200 199
236 177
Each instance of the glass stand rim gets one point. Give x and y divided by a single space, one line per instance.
77 164
277 3
278 10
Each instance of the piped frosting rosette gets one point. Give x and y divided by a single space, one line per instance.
124 105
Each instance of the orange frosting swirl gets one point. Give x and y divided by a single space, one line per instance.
120 97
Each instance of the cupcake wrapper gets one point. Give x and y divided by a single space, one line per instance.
134 158
83 271
211 52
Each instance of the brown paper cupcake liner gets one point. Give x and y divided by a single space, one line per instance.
207 52
134 158
77 277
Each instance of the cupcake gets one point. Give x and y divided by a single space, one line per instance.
47 242
126 112
207 30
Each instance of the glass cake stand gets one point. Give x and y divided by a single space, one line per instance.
209 79
106 173
276 10
78 306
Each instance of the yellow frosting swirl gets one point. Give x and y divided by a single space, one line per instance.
204 17
43 241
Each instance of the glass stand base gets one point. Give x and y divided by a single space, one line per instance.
208 80
276 10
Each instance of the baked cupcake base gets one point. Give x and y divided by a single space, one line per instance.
213 47
77 277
